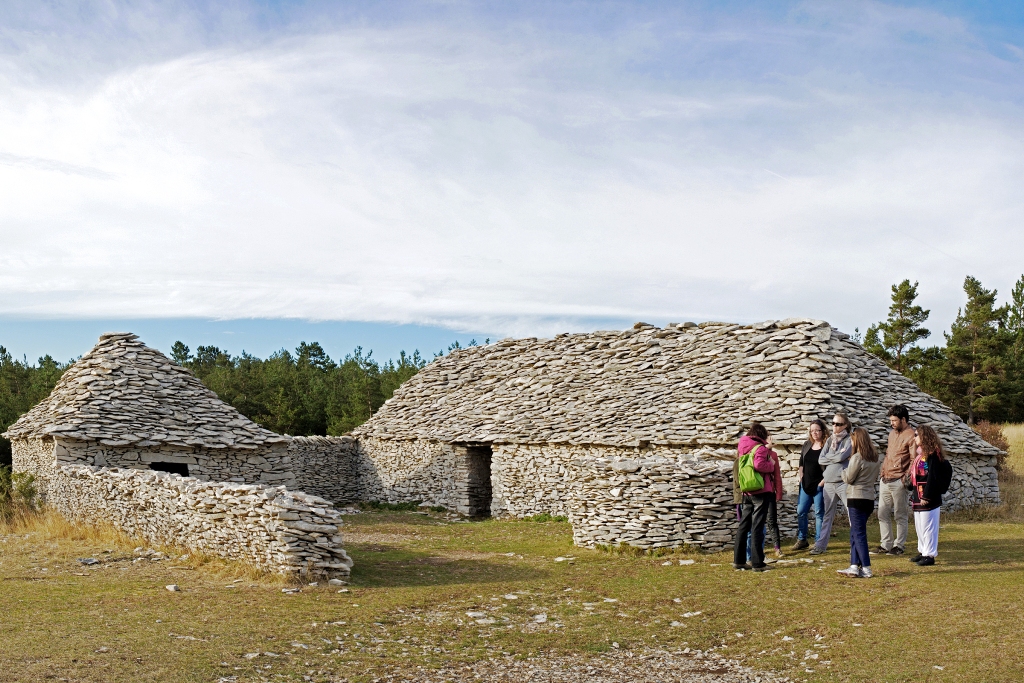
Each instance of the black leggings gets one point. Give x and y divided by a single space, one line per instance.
754 511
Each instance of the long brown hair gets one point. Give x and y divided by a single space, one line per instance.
931 444
863 444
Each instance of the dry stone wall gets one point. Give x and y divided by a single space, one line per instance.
266 465
397 471
659 502
326 466
975 482
35 457
270 527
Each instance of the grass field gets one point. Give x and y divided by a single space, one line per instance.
417 576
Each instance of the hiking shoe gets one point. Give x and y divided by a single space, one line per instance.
865 573
879 551
816 551
896 550
800 544
926 561
917 558
853 572
762 568
741 567
779 553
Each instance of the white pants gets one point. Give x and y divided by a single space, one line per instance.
927 525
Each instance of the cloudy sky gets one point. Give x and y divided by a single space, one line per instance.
506 168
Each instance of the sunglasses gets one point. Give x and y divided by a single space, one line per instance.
838 424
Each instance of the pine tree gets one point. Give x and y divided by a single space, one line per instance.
974 374
894 341
1015 353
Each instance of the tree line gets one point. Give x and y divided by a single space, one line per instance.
301 393
22 385
978 371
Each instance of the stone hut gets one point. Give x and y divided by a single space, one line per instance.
631 434
126 405
130 438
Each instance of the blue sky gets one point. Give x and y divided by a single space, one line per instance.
444 170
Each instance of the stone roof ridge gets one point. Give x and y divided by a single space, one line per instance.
693 385
123 393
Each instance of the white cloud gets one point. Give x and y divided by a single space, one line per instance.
518 180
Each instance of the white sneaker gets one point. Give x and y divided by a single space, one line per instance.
865 573
853 572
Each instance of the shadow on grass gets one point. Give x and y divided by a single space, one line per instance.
382 566
979 552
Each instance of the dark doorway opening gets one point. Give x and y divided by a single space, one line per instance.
172 467
478 481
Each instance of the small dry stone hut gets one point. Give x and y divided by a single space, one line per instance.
130 437
631 434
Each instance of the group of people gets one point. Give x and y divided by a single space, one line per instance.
844 467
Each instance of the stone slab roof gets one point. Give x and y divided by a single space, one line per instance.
683 385
124 393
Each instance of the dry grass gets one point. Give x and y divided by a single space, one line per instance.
1015 456
1011 485
417 576
47 526
50 526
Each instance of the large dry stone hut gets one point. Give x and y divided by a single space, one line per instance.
128 436
631 434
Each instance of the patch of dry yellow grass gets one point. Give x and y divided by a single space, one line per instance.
1015 457
48 525
1011 485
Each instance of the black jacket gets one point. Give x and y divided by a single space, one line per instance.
813 472
940 473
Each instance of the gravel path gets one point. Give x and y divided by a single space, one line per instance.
649 666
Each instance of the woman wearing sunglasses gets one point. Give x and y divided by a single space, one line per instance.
835 456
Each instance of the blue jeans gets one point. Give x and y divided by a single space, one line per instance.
803 507
859 537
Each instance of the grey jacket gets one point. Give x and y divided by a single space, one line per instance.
860 477
835 457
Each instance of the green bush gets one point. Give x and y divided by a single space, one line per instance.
17 493
546 517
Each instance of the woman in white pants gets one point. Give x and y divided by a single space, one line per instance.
929 471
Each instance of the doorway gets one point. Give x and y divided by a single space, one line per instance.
478 480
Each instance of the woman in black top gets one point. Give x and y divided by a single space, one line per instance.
811 483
